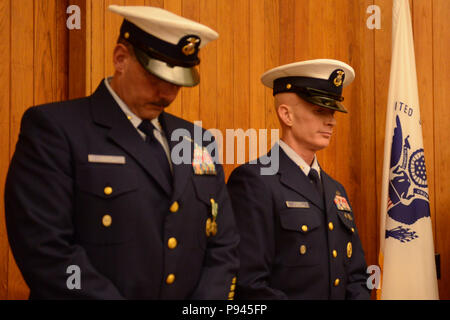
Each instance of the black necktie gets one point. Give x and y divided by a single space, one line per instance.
315 180
157 149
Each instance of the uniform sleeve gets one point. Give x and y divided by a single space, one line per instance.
253 209
221 262
39 208
357 276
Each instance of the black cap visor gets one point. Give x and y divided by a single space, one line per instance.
321 98
181 76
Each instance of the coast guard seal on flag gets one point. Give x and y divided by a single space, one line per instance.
408 193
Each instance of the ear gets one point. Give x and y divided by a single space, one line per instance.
121 56
285 114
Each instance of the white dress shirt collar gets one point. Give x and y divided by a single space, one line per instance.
298 160
134 119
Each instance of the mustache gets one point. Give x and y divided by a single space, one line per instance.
161 102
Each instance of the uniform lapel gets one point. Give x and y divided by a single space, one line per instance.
294 178
329 187
107 113
181 172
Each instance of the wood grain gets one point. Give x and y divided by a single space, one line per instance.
22 61
96 36
256 89
441 91
191 96
5 83
175 108
208 68
45 59
225 71
79 43
241 60
271 60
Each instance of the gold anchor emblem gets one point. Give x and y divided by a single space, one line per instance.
338 80
189 49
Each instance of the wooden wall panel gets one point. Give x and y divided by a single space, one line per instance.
225 70
37 50
22 61
5 83
272 59
208 56
441 93
241 60
191 96
382 51
78 48
354 165
175 6
257 119
287 30
50 63
422 18
45 51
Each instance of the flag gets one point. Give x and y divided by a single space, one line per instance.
408 269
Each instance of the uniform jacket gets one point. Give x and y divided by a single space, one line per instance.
56 202
292 245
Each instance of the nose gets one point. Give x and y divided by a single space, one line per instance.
330 120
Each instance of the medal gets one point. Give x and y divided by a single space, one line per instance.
202 162
342 204
211 225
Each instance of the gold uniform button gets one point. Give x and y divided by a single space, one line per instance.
108 190
232 287
304 228
126 35
288 86
336 282
106 220
170 278
334 253
353 230
174 207
302 249
234 280
231 295
349 250
172 243
330 226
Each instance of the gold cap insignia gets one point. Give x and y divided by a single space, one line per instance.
190 48
338 80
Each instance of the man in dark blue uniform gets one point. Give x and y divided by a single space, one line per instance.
94 191
298 234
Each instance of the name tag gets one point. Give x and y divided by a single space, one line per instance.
96 158
297 204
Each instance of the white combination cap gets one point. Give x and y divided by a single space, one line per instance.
317 81
166 44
